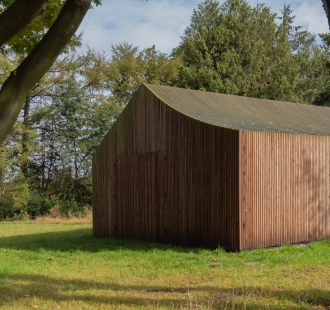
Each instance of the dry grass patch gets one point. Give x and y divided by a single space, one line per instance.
56 217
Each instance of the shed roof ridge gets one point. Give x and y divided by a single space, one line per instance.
245 113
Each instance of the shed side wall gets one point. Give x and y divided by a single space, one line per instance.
159 175
284 188
202 167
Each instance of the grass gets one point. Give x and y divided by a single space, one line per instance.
58 264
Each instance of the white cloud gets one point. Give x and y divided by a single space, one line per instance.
312 16
309 14
143 23
162 22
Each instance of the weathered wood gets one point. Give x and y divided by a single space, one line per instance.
289 196
163 176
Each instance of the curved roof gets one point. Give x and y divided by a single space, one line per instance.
243 113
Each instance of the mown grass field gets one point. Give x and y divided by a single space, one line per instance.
60 265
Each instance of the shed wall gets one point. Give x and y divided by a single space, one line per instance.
159 175
284 188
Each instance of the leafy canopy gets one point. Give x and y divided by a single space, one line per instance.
238 49
24 42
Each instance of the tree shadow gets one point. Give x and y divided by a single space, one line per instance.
61 289
315 181
46 288
82 239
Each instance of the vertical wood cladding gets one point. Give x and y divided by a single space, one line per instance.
163 176
159 175
284 188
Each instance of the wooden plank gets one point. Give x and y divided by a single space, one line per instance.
243 189
215 188
195 184
149 124
140 134
95 193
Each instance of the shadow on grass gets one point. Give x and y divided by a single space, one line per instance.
80 239
59 289
46 288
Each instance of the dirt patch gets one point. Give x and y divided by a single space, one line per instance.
320 303
214 264
251 263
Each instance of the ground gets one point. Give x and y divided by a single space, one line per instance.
58 264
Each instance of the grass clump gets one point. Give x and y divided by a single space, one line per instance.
58 264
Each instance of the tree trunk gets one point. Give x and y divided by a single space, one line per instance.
326 5
38 62
17 16
25 138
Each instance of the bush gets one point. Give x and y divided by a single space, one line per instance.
72 209
7 209
66 208
36 205
19 216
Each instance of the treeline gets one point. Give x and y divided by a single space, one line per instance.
231 48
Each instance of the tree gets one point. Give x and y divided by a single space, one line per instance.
127 68
313 82
326 6
47 154
46 158
16 16
237 49
69 126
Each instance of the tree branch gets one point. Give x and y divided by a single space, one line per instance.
326 6
38 62
17 16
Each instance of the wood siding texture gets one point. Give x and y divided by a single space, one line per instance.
284 188
159 175
163 176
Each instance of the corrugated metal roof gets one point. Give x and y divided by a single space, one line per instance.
243 113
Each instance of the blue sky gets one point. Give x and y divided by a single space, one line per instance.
162 22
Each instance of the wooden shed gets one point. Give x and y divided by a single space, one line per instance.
205 169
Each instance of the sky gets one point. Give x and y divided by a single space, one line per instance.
162 22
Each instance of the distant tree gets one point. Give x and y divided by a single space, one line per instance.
128 67
47 154
61 122
238 49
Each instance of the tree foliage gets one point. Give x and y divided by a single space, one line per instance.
43 15
235 48
24 18
47 155
230 48
128 67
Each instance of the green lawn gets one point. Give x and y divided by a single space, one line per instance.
49 265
